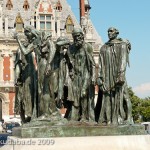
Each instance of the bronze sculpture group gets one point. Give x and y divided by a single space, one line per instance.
51 75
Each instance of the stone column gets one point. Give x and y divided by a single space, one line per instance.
32 21
82 10
53 28
1 66
6 25
37 22
11 67
1 21
58 27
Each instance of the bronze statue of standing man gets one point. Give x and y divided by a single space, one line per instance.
113 59
28 73
83 78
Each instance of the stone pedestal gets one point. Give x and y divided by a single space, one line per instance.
72 136
78 130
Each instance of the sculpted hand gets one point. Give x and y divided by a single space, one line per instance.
93 83
71 74
59 103
83 93
18 82
120 81
99 81
47 70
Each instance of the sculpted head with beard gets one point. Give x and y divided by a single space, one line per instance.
78 37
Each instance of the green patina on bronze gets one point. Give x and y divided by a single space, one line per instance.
51 76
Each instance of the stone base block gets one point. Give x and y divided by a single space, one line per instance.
48 131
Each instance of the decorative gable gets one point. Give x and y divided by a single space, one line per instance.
9 5
69 20
19 23
49 9
41 9
19 19
26 5
45 6
58 6
69 24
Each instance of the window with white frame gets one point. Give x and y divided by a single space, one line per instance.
45 23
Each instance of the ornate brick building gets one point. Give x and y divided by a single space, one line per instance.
53 16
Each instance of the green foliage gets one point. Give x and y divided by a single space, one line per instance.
145 109
140 107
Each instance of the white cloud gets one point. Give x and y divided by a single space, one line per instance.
142 90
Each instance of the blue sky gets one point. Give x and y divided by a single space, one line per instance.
132 18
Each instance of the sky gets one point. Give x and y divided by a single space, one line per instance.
132 19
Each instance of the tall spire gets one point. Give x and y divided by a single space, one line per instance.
82 10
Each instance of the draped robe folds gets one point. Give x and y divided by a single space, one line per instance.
46 52
113 58
25 93
84 73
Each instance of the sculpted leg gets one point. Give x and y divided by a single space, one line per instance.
84 110
103 109
108 109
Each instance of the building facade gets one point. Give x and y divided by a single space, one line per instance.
54 16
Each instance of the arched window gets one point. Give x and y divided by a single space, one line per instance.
19 23
58 6
26 5
69 24
9 5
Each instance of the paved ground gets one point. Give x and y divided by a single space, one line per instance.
127 142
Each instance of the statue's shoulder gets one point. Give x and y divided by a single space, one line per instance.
117 41
127 42
123 41
103 48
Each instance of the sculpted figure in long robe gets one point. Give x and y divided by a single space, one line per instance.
113 59
83 79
